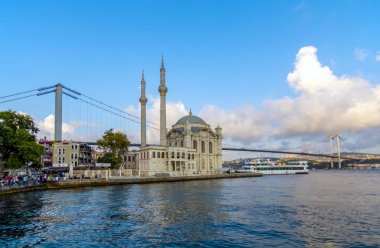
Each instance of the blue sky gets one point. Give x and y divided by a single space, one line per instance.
227 54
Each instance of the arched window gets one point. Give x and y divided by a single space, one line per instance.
172 154
163 155
192 156
158 154
188 156
203 147
178 155
195 144
210 147
183 155
154 155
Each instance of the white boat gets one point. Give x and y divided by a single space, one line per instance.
266 167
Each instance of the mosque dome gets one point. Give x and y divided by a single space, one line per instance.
191 119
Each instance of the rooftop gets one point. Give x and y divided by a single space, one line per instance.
191 119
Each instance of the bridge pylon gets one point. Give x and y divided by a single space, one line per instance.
58 113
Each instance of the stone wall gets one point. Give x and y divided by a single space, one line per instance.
105 173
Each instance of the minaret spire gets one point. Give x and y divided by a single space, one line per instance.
162 72
143 101
162 89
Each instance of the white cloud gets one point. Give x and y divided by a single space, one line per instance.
361 53
70 131
174 111
46 127
22 113
325 104
377 56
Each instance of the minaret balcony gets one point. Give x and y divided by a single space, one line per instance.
143 100
162 89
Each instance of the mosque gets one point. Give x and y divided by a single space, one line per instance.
190 147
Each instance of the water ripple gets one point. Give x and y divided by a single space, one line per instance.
322 209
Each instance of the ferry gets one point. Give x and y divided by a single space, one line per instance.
267 167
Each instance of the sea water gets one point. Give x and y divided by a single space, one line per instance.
322 209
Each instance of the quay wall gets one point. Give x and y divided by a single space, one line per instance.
13 190
105 173
76 183
142 180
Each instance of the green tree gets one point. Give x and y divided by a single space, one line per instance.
18 146
115 143
107 158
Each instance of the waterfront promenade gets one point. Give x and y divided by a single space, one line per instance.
76 183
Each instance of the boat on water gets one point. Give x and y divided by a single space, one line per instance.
267 167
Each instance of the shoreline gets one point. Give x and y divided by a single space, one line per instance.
23 189
79 183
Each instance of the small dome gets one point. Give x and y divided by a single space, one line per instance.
190 119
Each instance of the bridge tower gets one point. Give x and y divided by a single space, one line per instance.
331 137
58 113
337 137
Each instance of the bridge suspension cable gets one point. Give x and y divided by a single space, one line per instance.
79 95
42 91
24 92
109 111
16 94
271 149
134 116
19 98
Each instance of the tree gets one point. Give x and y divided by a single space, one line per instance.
18 145
115 143
107 158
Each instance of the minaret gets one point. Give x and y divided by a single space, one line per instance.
162 89
187 133
143 101
219 149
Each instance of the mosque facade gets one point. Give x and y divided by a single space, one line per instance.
190 147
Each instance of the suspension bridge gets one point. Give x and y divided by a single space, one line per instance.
62 130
